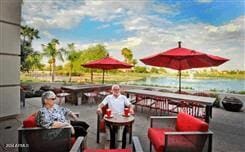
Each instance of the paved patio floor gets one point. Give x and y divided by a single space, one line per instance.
228 127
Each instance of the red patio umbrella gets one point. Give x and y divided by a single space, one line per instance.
107 63
182 59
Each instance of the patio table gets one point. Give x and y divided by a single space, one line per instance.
61 97
207 101
119 120
81 89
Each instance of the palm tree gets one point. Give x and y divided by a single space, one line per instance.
27 35
52 52
50 65
127 54
72 57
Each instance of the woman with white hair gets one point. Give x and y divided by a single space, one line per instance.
52 115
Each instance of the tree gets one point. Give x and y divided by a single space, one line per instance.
52 52
72 56
93 53
134 62
33 61
50 65
154 70
127 54
140 69
27 34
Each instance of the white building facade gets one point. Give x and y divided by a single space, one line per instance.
10 18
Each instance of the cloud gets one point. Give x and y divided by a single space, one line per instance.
46 34
226 40
54 14
150 30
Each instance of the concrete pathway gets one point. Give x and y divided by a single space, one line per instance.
228 127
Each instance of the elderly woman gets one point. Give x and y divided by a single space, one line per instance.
53 116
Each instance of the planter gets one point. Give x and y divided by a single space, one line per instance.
232 104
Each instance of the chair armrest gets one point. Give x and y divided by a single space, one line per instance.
208 133
38 128
164 118
77 146
132 101
172 133
77 114
137 145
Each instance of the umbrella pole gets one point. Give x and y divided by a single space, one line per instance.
91 76
103 76
179 81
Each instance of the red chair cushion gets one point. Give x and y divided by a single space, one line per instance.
102 125
156 136
73 140
108 150
175 143
30 122
187 122
104 109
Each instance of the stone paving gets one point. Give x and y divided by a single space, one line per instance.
228 127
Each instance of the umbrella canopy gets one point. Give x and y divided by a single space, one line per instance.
107 63
182 59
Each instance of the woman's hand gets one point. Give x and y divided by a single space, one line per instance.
58 124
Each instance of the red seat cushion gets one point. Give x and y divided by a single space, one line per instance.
187 122
73 140
175 143
108 150
30 122
156 136
102 125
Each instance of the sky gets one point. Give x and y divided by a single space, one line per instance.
144 26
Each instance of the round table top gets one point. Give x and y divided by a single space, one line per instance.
63 94
119 119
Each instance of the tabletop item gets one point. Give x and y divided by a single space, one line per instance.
108 112
126 112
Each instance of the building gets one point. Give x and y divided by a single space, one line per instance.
10 18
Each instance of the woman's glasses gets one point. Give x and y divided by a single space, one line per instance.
52 98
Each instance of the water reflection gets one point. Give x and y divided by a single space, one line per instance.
196 84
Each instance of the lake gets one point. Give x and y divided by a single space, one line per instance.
196 84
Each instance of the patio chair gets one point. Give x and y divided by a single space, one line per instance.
28 89
101 127
136 147
181 133
39 139
176 106
91 96
159 104
199 109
